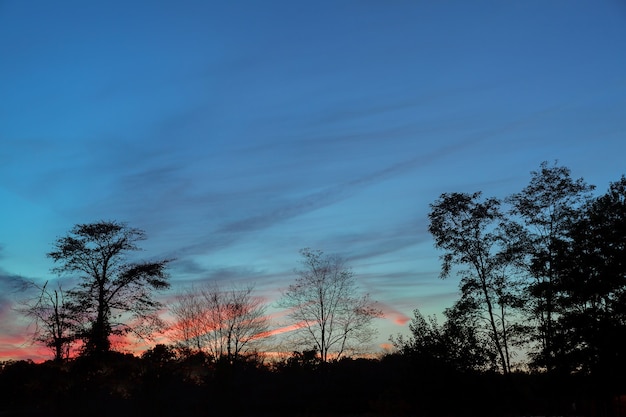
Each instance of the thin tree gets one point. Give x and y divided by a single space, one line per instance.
114 295
53 318
189 329
467 229
244 321
324 307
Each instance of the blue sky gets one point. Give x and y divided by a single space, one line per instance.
236 133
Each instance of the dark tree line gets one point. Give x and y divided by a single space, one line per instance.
542 272
163 382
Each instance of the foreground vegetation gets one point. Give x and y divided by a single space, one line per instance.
162 383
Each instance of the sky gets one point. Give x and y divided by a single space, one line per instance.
236 133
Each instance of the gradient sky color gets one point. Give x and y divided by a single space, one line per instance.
235 133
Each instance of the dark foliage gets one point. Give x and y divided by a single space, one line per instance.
112 291
162 383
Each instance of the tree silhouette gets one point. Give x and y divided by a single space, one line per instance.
324 306
54 318
224 323
190 328
114 295
459 342
592 291
545 209
467 229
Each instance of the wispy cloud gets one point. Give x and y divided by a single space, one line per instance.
15 336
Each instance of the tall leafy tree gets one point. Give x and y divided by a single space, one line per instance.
545 210
593 287
325 309
114 294
466 227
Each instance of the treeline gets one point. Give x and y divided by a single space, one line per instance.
164 383
114 297
539 327
542 272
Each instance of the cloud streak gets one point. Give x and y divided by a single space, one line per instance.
239 135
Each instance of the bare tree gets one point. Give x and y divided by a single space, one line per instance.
244 321
324 306
54 319
190 328
225 323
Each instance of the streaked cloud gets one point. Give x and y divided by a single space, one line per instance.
236 136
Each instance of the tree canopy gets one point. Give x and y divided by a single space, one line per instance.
114 295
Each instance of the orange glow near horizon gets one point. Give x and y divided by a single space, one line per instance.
20 348
387 347
18 345
394 315
281 330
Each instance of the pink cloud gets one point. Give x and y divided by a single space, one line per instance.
394 315
16 347
281 330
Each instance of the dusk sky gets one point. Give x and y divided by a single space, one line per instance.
236 133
